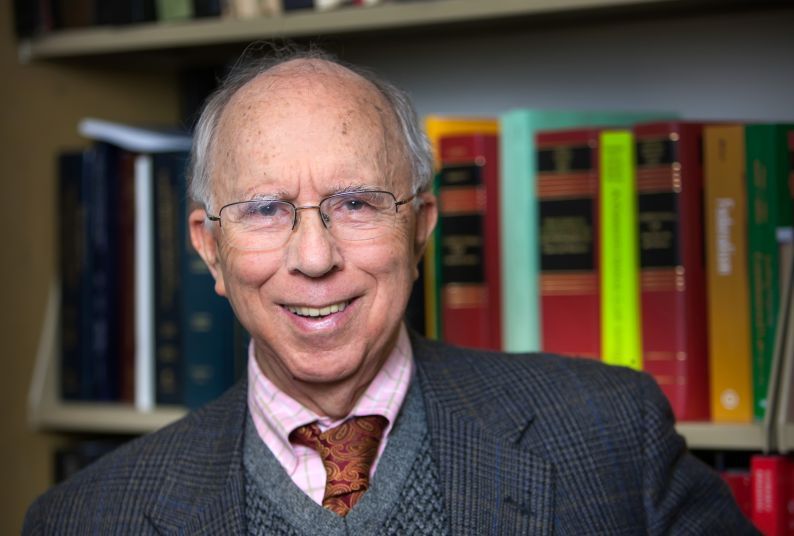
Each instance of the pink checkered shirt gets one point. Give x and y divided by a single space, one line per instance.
276 414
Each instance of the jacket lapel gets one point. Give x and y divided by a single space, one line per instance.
493 481
203 493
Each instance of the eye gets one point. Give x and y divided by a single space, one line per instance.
354 204
263 213
266 209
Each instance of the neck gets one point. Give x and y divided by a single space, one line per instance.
334 400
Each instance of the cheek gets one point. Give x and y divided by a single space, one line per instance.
249 269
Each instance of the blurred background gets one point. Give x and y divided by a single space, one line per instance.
705 60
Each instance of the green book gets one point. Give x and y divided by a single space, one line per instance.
168 10
519 217
619 258
768 208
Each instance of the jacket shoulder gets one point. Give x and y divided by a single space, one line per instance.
117 489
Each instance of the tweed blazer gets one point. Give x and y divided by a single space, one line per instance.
525 444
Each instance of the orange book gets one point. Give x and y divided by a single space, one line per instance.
726 273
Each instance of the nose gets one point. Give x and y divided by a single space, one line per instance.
311 249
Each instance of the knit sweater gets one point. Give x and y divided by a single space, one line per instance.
404 495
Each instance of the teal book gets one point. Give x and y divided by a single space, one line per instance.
519 212
768 209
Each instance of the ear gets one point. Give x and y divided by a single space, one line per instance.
203 238
426 218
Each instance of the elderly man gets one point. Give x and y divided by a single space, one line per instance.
313 181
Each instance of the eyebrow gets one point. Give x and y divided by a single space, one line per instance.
356 187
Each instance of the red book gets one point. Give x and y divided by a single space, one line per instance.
740 484
126 274
469 223
771 485
672 263
567 191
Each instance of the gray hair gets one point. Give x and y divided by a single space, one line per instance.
417 146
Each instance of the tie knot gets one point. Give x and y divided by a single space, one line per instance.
347 452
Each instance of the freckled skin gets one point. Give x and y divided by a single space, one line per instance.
302 132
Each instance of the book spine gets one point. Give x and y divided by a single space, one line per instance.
619 257
469 242
168 10
740 484
207 8
72 258
567 192
730 370
771 483
436 127
169 218
208 332
766 173
672 276
126 276
521 331
103 285
144 284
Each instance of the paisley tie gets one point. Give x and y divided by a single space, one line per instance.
347 452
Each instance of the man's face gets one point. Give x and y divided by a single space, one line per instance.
301 137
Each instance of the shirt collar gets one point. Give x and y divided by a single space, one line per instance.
276 414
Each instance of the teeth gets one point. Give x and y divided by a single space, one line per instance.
313 311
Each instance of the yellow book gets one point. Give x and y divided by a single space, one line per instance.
730 372
621 335
437 126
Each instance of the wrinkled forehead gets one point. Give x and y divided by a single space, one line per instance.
321 88
302 96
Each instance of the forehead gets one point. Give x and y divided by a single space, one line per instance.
298 118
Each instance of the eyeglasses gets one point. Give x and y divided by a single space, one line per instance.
267 224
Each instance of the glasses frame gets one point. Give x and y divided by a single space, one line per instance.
323 217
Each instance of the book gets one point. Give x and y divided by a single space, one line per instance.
72 259
469 243
143 142
169 225
519 217
174 10
102 262
567 196
621 336
672 263
144 284
730 372
740 484
293 5
126 275
207 335
437 126
771 491
207 8
768 208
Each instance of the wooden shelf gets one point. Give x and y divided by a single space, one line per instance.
207 32
711 436
47 412
106 418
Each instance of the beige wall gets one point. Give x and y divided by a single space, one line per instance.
41 104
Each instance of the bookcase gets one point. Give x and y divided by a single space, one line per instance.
704 60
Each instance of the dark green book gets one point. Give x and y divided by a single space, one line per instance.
769 208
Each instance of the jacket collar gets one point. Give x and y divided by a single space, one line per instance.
482 437
483 440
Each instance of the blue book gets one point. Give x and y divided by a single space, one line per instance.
208 330
102 313
168 175
74 369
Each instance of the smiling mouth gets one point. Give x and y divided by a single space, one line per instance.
316 312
